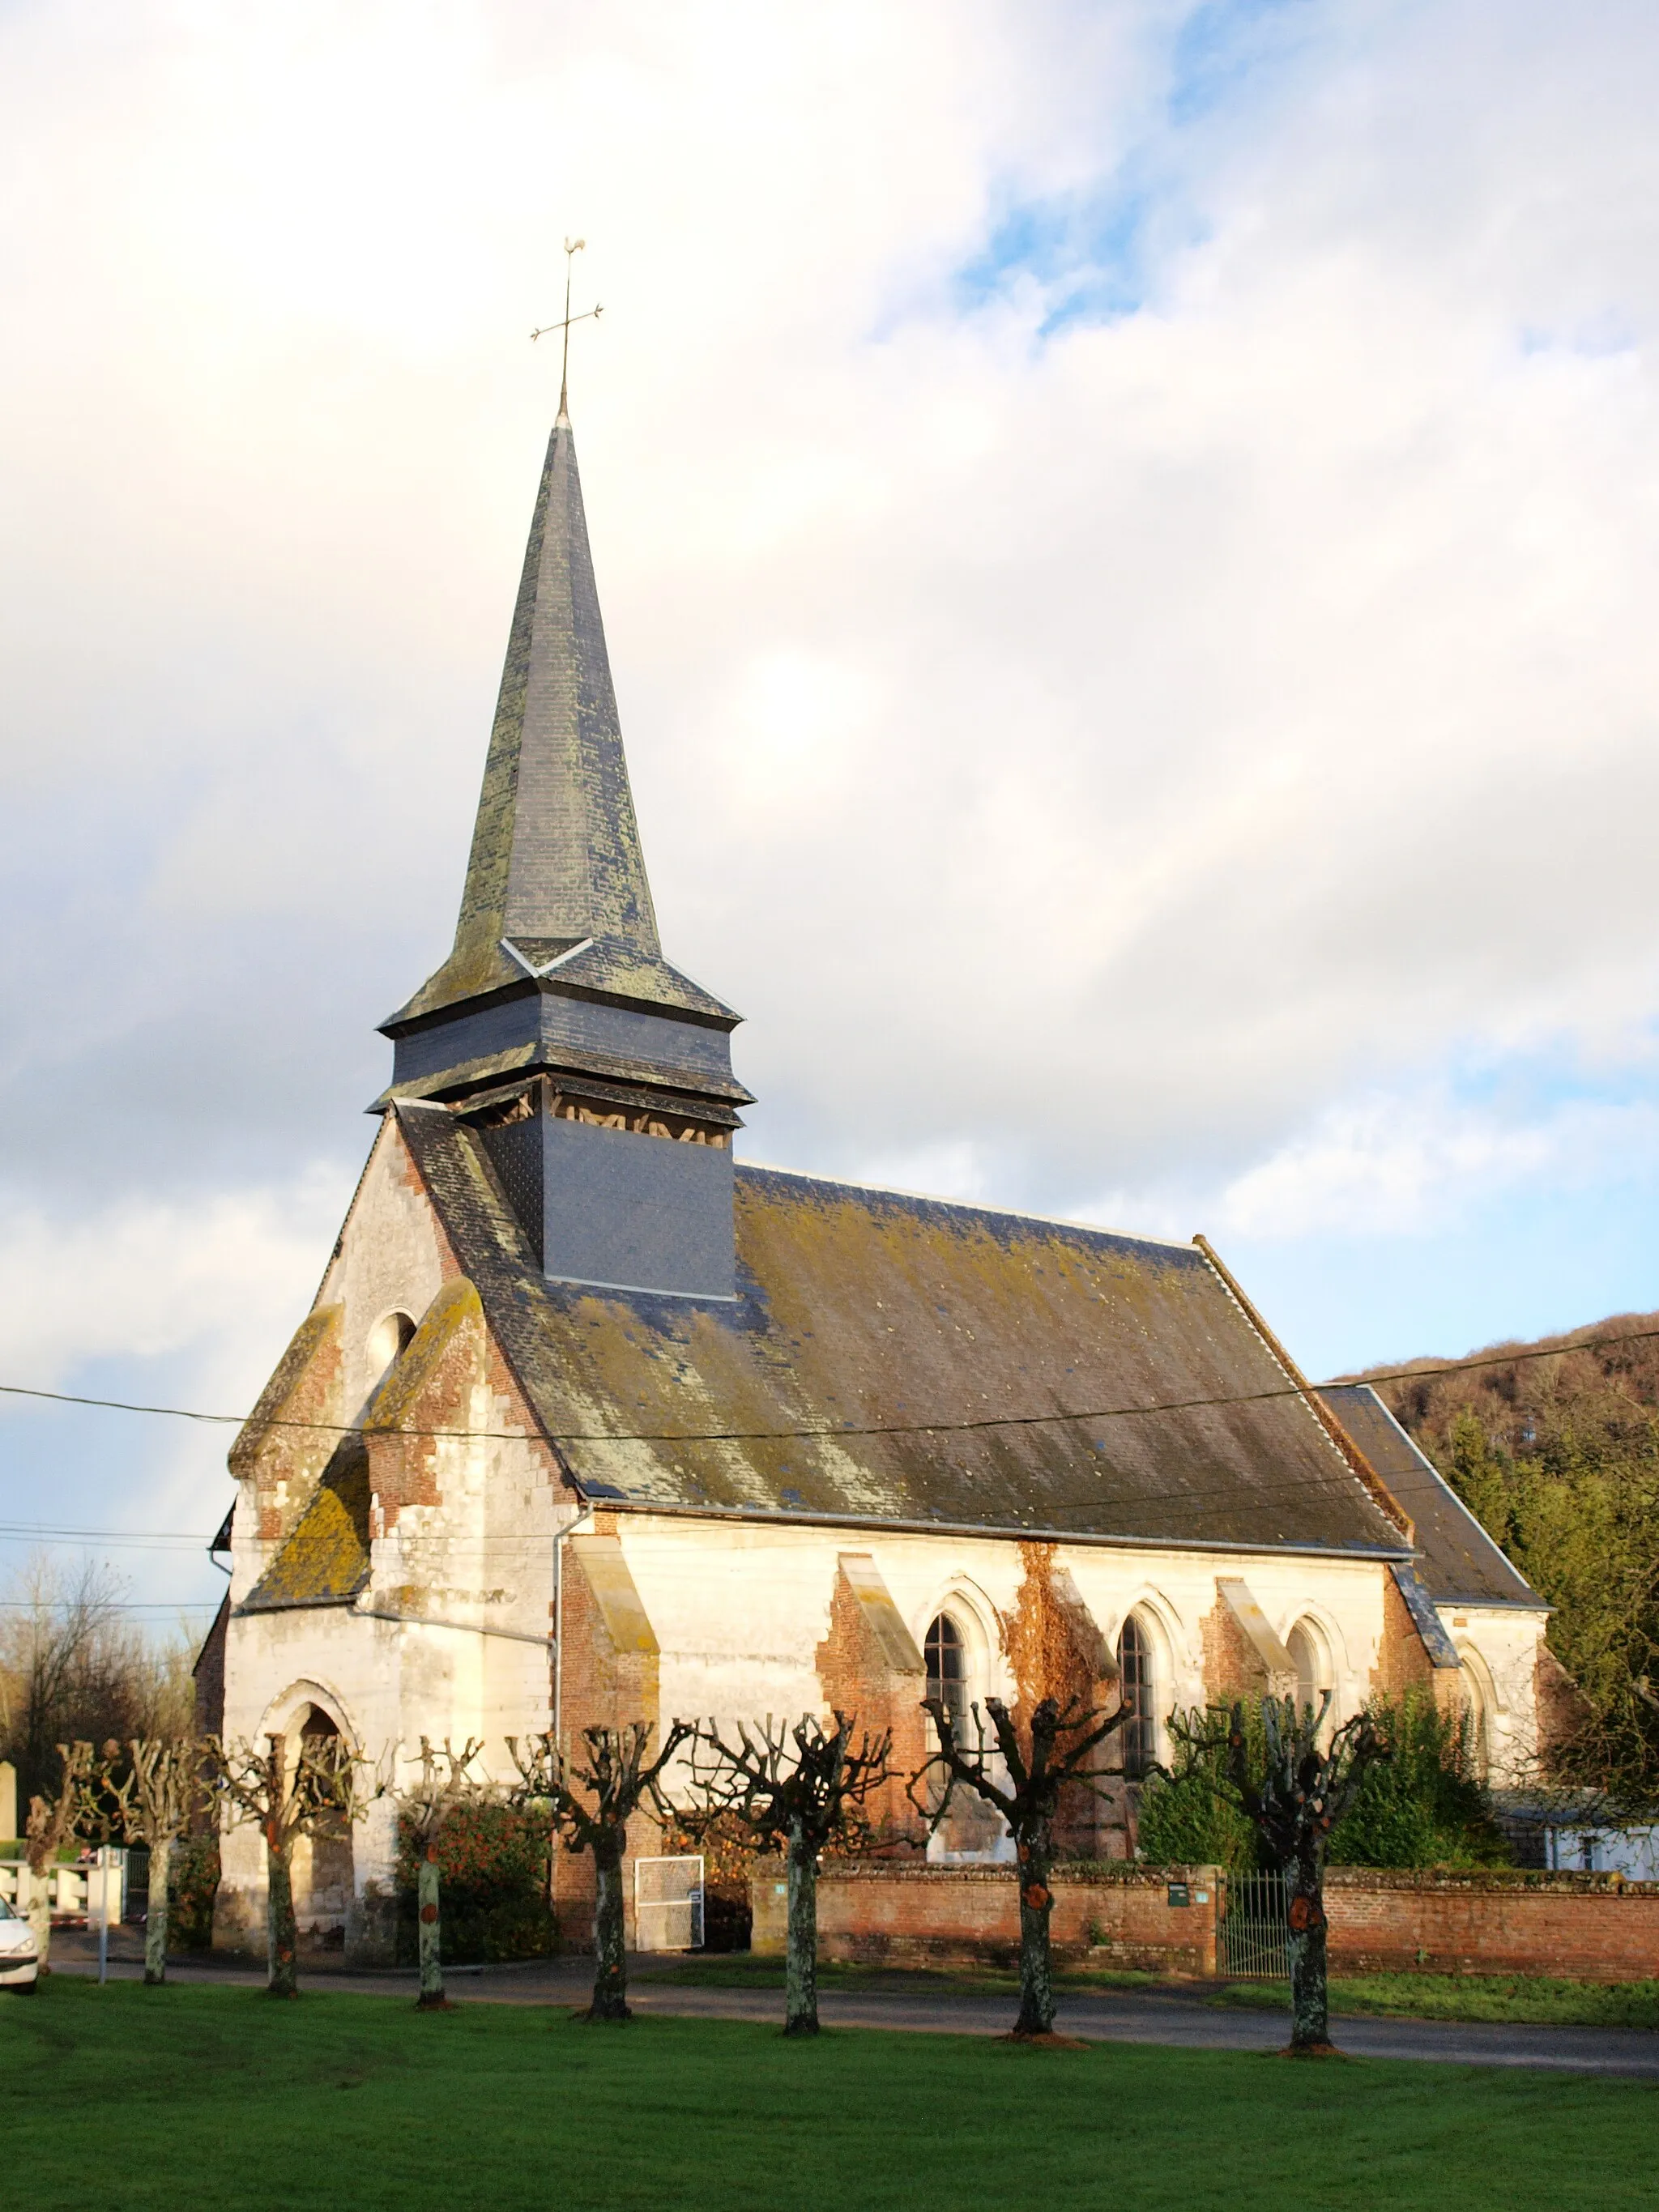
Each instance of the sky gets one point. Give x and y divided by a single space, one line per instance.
1128 538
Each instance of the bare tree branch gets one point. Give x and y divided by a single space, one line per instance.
796 1787
325 1786
443 1786
590 1805
1023 1778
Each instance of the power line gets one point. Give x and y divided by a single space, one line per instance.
849 1428
140 1604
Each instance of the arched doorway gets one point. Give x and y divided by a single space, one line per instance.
324 1873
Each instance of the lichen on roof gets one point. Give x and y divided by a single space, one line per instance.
896 1360
326 1560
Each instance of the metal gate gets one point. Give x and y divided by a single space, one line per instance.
668 1905
1254 1932
135 1901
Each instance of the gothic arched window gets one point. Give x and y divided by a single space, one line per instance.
1313 1667
1477 1707
947 1667
1134 1659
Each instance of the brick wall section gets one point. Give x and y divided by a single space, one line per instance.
1233 1666
275 1454
1571 1927
904 1914
1590 1928
429 1389
1561 1706
880 1685
1402 1662
1055 1650
602 1687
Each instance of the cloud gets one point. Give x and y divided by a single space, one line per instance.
1125 537
219 1283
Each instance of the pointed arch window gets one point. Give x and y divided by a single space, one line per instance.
1312 1663
1134 1659
1477 1717
947 1667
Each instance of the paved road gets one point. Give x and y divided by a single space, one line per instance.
1174 2018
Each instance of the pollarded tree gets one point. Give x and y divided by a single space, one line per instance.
1024 1780
51 1823
442 1788
323 1786
155 1801
796 1789
1296 1790
590 1805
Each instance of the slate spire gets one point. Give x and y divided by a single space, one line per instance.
556 850
558 969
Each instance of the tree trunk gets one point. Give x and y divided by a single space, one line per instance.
285 1938
155 1913
609 1938
432 1998
1310 2013
1037 1989
801 2009
41 1914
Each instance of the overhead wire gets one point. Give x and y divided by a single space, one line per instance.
1187 1498
848 1428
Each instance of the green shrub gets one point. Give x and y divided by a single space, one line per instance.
1189 1813
493 1868
1425 1805
192 1886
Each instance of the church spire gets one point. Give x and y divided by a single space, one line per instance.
556 900
556 852
596 1078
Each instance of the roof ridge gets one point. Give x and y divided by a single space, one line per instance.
968 1205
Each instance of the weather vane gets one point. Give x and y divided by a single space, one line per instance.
572 247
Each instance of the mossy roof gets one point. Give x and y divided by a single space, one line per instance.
326 1559
902 1362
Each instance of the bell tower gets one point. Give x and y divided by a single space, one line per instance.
597 1077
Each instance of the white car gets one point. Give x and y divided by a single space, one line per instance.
18 1964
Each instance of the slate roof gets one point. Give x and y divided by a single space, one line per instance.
556 863
1459 1563
326 1559
867 1309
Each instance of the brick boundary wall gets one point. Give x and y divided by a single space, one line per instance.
967 1915
1571 1927
1574 1927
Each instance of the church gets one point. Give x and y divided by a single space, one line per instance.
593 1420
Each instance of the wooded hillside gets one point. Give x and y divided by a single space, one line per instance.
1558 1455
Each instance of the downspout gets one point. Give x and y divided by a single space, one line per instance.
568 1529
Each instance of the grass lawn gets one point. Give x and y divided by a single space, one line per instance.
194 2096
1526 1999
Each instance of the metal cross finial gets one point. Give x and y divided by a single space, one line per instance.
572 247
